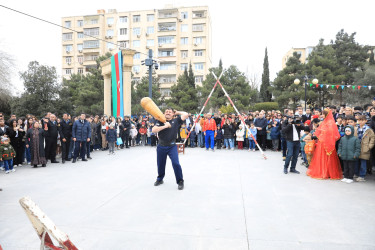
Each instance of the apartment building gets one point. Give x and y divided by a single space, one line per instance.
304 52
177 36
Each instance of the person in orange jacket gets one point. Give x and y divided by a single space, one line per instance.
210 130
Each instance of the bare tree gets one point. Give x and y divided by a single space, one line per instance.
254 80
6 69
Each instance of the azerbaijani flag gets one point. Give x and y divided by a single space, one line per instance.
117 85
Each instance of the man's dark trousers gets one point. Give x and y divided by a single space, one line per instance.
293 151
50 148
80 148
65 149
162 153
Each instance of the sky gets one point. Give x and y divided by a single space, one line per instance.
241 30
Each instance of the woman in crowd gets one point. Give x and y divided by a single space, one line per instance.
228 134
16 136
35 141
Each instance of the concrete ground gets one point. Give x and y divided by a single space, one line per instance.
231 200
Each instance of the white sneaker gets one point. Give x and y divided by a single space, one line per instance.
2 168
113 153
13 170
109 153
344 180
28 163
20 165
14 166
7 172
232 149
349 181
360 179
249 150
253 150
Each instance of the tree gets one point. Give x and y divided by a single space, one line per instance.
372 57
265 93
41 90
6 69
140 90
184 94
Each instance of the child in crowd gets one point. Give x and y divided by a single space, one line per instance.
253 131
133 135
306 132
193 135
111 138
7 153
367 137
340 126
269 139
349 151
143 133
275 135
219 137
239 135
183 132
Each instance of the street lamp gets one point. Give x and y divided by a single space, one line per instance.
306 77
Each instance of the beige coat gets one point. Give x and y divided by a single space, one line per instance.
367 143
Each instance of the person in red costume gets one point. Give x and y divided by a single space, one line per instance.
325 163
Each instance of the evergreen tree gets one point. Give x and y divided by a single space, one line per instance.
140 90
265 93
190 76
372 57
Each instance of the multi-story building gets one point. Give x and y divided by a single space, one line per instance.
304 52
177 36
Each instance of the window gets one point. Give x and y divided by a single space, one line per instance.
136 31
167 66
198 27
110 21
137 56
68 59
164 53
198 79
184 15
136 68
150 42
123 31
67 36
91 32
124 44
110 46
68 48
198 52
184 40
91 44
165 39
150 30
184 66
198 14
80 70
79 46
136 44
198 66
80 34
68 71
184 28
184 53
165 92
110 32
198 40
123 19
80 59
167 78
91 57
136 18
94 21
80 23
150 17
167 26
68 24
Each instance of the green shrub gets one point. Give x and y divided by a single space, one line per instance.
266 106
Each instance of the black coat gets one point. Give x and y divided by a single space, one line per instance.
262 123
65 129
287 130
228 131
29 141
53 130
127 125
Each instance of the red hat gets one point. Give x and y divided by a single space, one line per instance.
315 116
308 122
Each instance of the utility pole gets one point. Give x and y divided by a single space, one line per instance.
150 62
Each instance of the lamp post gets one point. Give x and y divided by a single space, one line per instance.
306 77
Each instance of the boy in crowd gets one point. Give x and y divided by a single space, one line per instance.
7 153
219 137
111 137
253 131
349 151
367 138
306 132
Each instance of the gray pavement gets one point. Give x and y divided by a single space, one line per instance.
231 200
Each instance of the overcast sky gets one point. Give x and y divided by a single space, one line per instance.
241 29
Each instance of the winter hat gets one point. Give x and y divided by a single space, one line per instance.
315 116
308 122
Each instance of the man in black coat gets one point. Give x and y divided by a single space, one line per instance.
51 138
65 130
261 125
291 129
127 126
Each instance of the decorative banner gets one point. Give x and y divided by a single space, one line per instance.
339 85
117 88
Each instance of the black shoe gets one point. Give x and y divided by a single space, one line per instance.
44 165
89 158
285 171
180 185
84 159
55 161
63 161
294 171
35 166
127 147
157 182
74 160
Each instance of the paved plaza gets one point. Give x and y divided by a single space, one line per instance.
231 200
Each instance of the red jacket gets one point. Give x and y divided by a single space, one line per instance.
210 124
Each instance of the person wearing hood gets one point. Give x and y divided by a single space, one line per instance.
349 151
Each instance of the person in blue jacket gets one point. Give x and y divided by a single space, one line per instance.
81 136
275 135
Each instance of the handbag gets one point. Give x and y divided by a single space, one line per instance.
310 147
119 141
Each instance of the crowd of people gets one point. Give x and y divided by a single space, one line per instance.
330 141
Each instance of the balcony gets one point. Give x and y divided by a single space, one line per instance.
168 13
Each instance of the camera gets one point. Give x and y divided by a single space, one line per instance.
296 119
